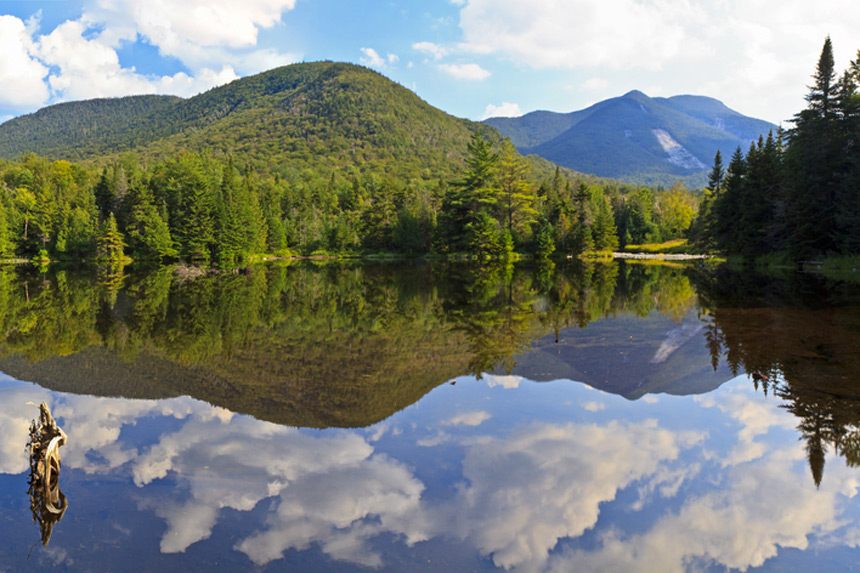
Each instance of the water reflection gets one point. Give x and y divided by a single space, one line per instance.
495 470
797 335
595 484
273 343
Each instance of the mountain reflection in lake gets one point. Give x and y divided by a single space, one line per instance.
338 416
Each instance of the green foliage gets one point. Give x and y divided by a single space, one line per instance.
109 243
798 191
302 159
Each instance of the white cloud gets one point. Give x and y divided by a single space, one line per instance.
21 74
213 40
569 34
468 419
594 406
465 71
196 32
755 56
596 84
182 84
740 524
431 49
372 59
507 382
520 493
523 493
507 109
89 68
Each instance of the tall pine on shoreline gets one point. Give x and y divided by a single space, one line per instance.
798 191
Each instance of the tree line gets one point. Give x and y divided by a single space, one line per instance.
212 209
797 191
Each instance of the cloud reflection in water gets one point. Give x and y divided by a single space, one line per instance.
516 491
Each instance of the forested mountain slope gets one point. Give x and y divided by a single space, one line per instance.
636 138
79 129
320 114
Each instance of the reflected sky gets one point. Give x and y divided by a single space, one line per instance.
497 472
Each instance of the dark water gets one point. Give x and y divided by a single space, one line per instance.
434 417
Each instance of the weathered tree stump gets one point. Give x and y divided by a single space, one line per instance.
47 502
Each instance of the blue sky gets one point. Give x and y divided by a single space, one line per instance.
471 58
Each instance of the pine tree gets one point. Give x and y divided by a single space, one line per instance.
605 233
814 161
727 205
147 232
715 178
110 244
469 199
515 196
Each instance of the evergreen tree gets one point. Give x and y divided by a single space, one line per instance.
583 240
544 245
110 244
715 178
815 160
727 204
605 233
848 194
515 196
147 232
469 199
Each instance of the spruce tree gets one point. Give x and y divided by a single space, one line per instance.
814 161
110 244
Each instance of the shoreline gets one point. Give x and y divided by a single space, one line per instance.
661 256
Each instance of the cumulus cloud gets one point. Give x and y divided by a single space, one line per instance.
468 419
508 382
465 71
507 109
595 84
524 492
520 493
332 508
755 417
331 489
87 67
79 58
196 32
594 406
760 504
434 50
757 57
19 67
373 59
615 33
739 525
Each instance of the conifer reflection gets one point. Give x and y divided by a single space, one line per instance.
312 344
796 335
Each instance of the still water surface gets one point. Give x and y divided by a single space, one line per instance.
439 417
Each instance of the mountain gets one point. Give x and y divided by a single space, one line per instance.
635 138
321 114
630 356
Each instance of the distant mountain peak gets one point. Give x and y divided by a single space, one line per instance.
635 94
636 138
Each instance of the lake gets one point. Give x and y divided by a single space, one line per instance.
324 416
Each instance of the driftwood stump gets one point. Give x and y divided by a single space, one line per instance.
47 502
